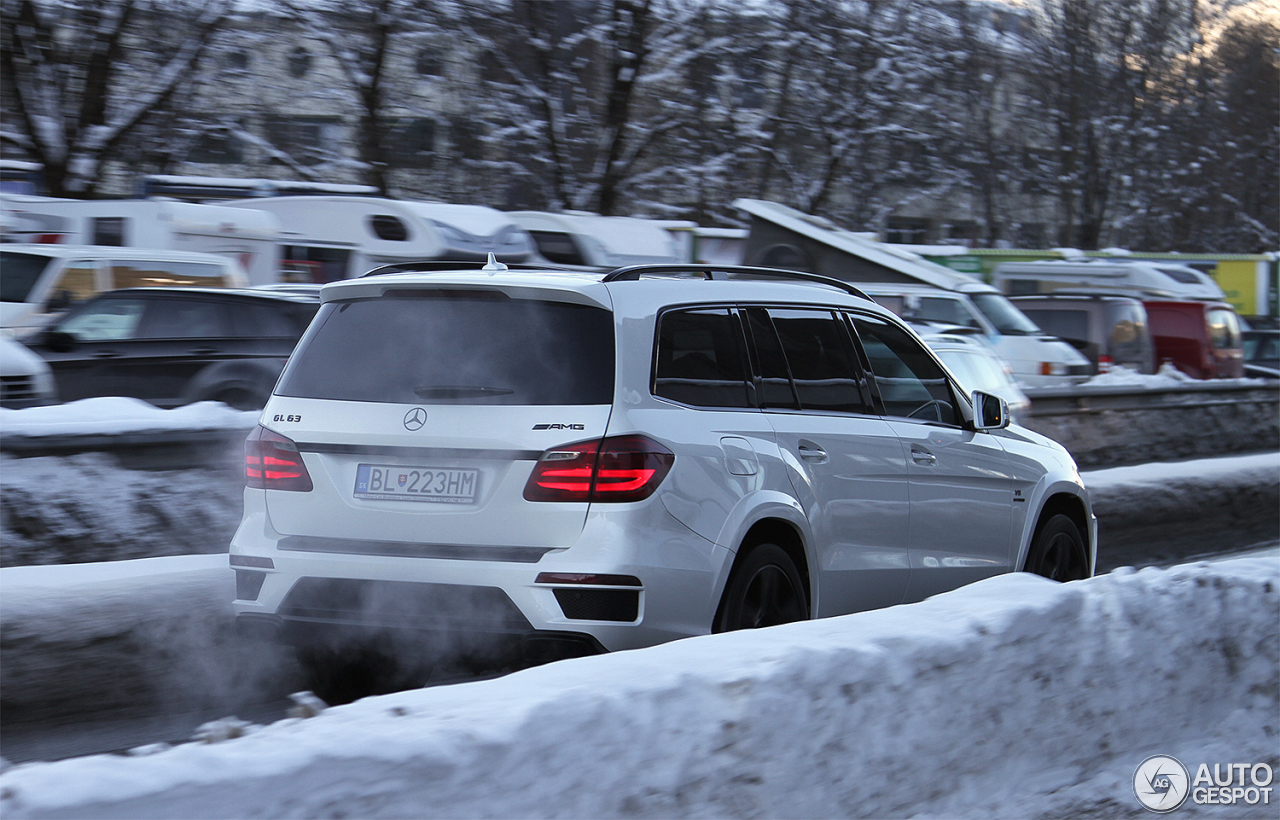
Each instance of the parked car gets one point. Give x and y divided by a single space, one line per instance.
550 463
976 365
1110 330
41 281
1261 353
1202 339
25 379
173 346
1037 358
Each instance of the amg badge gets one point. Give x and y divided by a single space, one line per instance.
559 427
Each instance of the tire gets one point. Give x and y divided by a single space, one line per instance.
1057 553
765 589
338 677
239 398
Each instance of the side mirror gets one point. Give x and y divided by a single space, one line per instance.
989 412
58 341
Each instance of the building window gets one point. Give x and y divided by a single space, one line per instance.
219 146
907 230
308 140
237 60
299 62
414 143
429 63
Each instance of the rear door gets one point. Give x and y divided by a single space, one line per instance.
846 464
420 415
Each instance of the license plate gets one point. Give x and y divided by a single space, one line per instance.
442 485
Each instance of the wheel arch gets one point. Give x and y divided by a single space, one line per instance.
1072 506
786 535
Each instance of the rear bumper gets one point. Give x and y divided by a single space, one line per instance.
462 597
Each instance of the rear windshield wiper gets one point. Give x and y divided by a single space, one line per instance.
456 391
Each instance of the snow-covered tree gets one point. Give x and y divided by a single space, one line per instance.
80 78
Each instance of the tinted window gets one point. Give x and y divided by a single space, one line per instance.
1065 324
911 383
283 320
699 359
21 270
820 355
442 347
775 378
184 319
558 247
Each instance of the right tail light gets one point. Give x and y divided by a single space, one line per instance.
618 468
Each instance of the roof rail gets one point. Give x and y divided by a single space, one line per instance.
436 265
634 272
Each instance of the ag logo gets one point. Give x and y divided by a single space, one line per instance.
415 418
1161 783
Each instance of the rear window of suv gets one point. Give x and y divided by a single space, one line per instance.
453 347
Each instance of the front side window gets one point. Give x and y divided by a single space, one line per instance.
455 347
1004 314
911 383
21 272
1224 329
699 359
106 320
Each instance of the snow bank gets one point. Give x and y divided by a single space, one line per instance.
113 415
1008 698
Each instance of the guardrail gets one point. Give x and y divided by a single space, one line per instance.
1107 426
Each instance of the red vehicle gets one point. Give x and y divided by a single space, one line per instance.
1202 339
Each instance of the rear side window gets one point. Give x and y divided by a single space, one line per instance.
185 319
911 383
442 347
820 354
699 359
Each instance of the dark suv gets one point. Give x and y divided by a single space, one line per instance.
173 346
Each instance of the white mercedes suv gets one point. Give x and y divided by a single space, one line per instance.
477 461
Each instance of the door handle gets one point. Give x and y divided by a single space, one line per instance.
812 452
106 354
923 457
203 351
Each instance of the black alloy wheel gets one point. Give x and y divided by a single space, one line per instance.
764 590
1058 551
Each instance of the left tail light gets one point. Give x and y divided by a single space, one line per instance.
272 462
619 468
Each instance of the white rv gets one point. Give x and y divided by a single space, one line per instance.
1162 280
249 237
328 238
590 240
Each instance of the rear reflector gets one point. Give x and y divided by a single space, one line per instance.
619 468
587 578
272 462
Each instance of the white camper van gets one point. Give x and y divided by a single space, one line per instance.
328 238
591 240
1163 280
250 237
40 280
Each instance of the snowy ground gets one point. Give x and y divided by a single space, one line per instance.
1014 697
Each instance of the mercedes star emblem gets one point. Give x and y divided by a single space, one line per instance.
415 418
